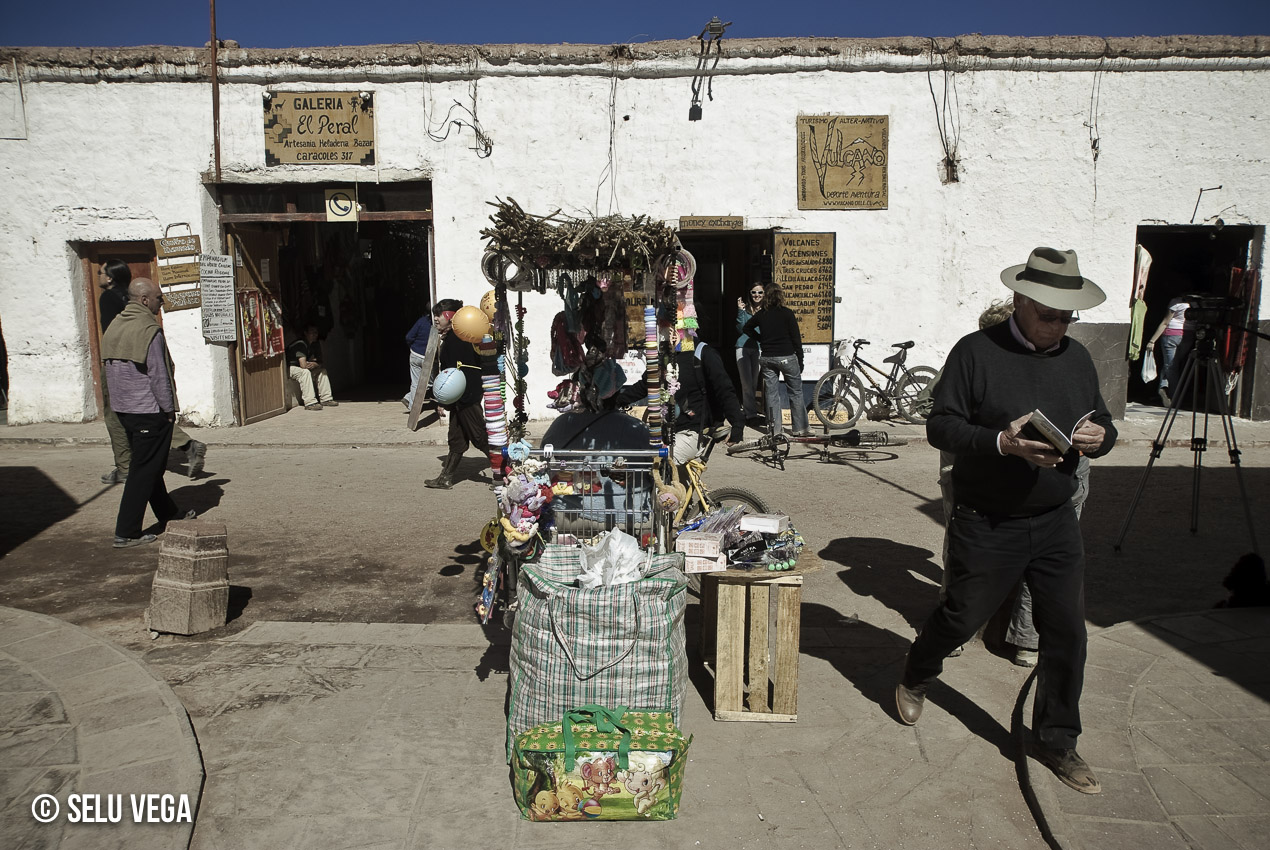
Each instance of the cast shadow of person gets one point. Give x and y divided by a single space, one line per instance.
872 660
889 572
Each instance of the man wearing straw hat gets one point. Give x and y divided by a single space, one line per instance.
1013 515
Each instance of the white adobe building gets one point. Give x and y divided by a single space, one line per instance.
996 145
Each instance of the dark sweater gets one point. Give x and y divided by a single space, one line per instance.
701 408
777 332
450 354
989 381
110 304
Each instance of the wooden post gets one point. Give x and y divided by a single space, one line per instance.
425 378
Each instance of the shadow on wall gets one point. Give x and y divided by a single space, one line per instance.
30 502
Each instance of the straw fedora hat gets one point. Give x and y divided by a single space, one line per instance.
1052 278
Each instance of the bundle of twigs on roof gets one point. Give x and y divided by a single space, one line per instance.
562 241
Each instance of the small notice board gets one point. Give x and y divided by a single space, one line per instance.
804 268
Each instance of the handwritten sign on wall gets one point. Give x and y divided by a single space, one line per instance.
843 162
217 274
804 268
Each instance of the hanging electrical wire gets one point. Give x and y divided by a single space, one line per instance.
715 30
483 145
1091 122
947 116
609 174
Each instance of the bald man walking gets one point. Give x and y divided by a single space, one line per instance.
139 375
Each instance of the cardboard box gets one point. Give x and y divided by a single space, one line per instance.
700 544
695 564
765 523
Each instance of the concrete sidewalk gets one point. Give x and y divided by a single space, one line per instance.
1177 724
79 715
391 736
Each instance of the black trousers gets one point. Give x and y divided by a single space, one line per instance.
150 437
986 558
467 425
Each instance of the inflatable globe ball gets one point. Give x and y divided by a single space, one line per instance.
489 304
470 323
449 386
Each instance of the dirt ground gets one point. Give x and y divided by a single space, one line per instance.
346 534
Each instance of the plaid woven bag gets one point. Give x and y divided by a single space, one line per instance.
617 645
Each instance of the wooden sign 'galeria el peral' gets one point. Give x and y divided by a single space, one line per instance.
319 128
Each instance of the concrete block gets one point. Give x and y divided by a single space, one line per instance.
191 587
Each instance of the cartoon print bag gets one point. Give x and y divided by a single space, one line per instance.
601 764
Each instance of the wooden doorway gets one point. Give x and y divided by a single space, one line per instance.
140 259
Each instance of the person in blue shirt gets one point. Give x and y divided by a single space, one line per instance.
418 341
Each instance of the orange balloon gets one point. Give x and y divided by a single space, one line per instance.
489 303
470 323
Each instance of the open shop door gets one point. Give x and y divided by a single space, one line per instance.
260 355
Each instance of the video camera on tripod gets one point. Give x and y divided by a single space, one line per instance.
1214 311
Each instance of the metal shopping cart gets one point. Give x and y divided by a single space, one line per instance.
606 483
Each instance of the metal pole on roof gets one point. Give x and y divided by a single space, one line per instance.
215 95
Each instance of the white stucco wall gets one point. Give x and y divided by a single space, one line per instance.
922 269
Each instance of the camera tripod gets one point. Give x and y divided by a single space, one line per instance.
1202 356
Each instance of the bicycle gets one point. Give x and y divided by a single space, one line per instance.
840 396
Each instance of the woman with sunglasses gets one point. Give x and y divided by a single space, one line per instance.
747 350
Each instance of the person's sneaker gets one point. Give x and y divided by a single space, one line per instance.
129 542
406 402
1164 397
909 702
1068 766
196 454
803 433
330 402
957 652
115 476
1026 657
314 406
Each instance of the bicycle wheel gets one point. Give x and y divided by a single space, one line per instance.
838 398
907 394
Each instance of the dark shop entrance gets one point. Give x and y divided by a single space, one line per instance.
727 263
362 284
1217 261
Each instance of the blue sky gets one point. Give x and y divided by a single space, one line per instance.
269 23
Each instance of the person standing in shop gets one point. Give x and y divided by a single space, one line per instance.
747 350
780 355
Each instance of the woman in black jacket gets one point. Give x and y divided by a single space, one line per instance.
780 353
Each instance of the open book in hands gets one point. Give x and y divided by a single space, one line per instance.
1039 427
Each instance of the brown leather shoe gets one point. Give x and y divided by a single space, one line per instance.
1068 766
909 702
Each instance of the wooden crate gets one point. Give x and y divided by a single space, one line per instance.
736 622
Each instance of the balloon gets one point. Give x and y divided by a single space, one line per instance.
489 303
470 323
449 385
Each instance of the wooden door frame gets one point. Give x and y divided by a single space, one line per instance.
90 260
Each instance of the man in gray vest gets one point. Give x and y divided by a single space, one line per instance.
139 373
